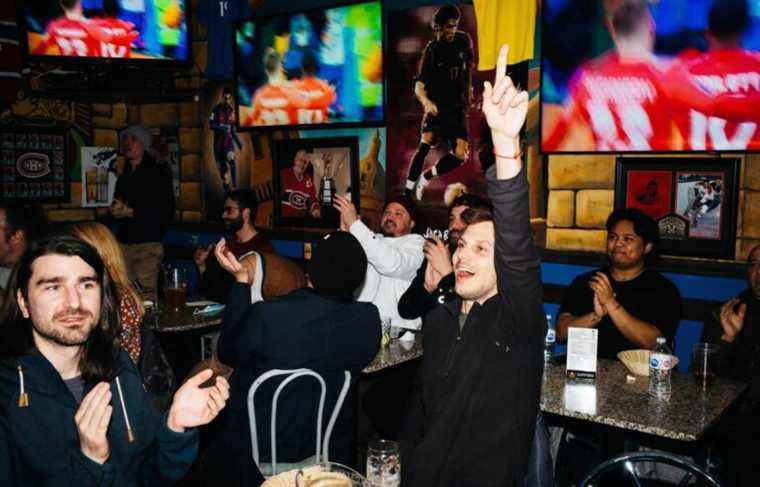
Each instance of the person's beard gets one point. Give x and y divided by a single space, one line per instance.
388 227
234 225
67 337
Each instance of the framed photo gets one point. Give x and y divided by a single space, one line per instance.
308 173
693 200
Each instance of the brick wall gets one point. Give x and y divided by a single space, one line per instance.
582 194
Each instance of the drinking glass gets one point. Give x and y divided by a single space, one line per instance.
175 288
384 464
703 363
386 330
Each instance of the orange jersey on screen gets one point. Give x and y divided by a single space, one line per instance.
113 37
716 98
623 103
274 105
72 37
318 94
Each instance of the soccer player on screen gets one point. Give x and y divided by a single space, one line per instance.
619 95
70 33
442 86
318 93
275 103
114 36
717 93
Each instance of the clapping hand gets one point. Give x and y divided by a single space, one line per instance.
347 212
231 264
732 319
603 293
193 406
505 108
92 420
438 256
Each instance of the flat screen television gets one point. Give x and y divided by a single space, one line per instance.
659 76
321 67
152 30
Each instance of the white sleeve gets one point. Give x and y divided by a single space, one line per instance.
400 260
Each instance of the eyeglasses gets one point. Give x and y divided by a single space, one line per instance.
230 209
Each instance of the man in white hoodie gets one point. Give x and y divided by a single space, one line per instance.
394 255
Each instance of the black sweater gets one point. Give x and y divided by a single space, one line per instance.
473 412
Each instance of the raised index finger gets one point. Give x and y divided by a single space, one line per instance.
501 63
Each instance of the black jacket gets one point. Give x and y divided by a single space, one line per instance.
148 191
472 416
301 329
39 444
416 302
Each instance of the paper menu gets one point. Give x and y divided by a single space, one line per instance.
581 353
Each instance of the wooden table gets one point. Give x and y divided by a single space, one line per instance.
169 320
614 402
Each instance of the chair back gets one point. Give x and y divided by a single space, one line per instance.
322 447
628 463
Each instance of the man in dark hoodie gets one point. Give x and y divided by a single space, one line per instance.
73 410
320 327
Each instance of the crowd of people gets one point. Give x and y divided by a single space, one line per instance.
73 407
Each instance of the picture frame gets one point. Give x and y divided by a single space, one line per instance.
307 173
694 201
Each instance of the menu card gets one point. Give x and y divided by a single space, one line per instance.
581 353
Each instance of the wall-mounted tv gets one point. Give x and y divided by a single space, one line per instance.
112 29
311 68
650 76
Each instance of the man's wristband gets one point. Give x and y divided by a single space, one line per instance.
516 155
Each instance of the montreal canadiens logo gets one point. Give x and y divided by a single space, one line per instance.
298 200
33 165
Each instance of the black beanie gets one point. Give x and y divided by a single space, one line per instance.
406 202
338 265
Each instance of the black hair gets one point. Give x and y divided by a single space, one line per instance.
471 201
446 13
111 8
628 16
226 91
643 225
309 64
98 358
29 219
728 18
68 4
245 199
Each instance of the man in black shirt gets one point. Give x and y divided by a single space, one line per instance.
442 86
628 302
143 206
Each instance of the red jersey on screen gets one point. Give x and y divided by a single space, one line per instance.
318 94
716 98
623 103
71 36
274 105
298 194
113 36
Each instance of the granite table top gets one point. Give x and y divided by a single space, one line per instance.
397 352
613 401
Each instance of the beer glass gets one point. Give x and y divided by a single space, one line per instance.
175 288
703 363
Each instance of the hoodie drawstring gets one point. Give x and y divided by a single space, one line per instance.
23 397
130 435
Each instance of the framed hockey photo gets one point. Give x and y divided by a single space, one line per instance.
693 200
308 173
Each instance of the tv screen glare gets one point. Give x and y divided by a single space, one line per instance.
650 76
321 67
114 29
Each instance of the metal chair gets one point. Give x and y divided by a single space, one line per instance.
322 447
628 463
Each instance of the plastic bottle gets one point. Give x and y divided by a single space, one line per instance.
551 338
660 366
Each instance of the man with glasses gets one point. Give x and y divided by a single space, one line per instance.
443 87
239 216
735 328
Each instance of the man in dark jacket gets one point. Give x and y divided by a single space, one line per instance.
143 206
320 327
73 410
473 415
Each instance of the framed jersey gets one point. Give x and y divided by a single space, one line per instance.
638 77
308 173
692 199
316 68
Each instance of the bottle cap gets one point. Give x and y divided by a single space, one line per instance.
661 340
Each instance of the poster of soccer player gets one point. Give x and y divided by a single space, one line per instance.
437 140
228 156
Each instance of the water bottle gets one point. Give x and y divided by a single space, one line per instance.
660 365
551 338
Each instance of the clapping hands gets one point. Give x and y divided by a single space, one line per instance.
193 406
231 264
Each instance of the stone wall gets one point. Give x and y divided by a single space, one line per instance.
582 194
